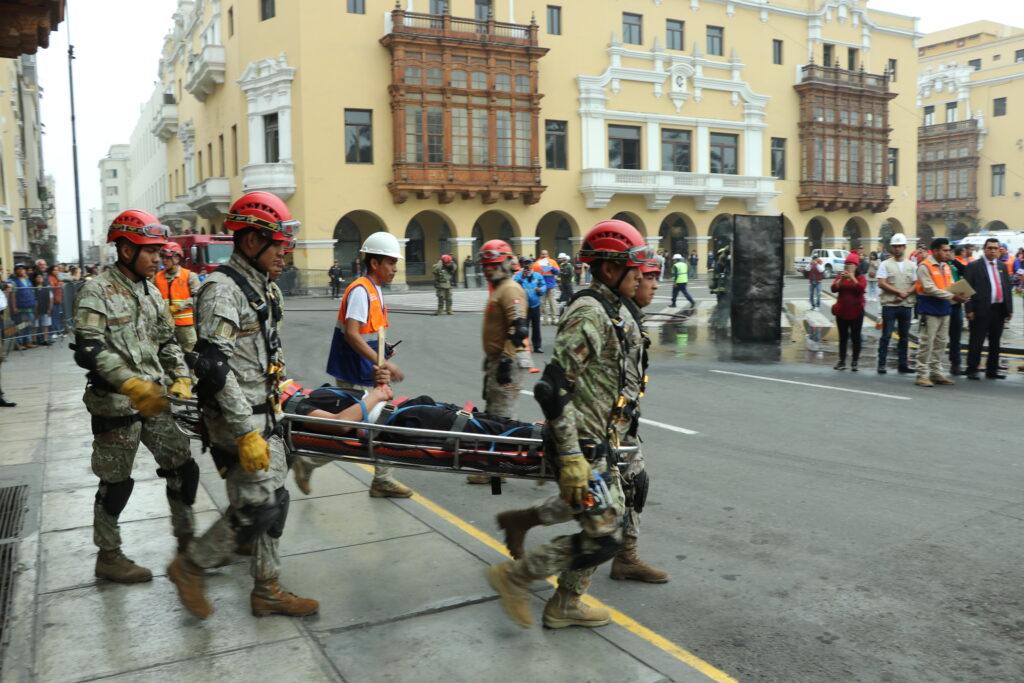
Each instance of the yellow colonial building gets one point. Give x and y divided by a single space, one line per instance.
451 122
971 144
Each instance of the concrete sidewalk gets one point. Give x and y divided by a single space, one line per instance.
401 583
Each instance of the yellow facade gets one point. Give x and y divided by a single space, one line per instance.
228 70
976 71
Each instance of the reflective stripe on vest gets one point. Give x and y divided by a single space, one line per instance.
177 293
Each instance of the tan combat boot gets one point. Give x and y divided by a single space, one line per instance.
302 475
482 479
566 609
112 565
514 591
187 577
627 565
389 488
268 598
515 524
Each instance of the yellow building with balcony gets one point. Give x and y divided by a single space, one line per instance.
451 122
970 143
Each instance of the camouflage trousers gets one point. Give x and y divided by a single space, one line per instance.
185 336
586 546
444 299
246 492
631 519
311 462
113 454
502 399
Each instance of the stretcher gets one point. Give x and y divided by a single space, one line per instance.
518 458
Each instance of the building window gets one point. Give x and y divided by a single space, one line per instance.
716 40
358 136
482 9
437 6
998 180
675 150
852 58
623 147
827 55
632 28
894 166
996 58
999 106
112 173
357 6
929 115
975 63
209 159
776 51
112 191
723 153
674 39
271 139
231 21
892 70
267 9
234 149
1018 56
199 166
950 112
555 144
779 158
112 208
554 20
220 155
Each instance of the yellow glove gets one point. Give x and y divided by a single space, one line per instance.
174 308
573 475
148 397
253 452
181 388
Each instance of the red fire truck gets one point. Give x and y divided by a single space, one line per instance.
203 253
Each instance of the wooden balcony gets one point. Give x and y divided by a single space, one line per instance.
833 196
448 181
964 126
27 26
930 209
462 29
814 74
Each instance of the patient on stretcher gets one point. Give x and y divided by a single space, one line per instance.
377 406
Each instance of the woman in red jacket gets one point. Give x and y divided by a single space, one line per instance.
849 309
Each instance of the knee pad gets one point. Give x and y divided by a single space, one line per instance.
187 474
269 517
282 499
608 547
113 497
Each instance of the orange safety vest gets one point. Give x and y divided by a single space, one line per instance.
942 275
344 362
378 313
176 292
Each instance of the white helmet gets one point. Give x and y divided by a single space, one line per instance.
898 239
382 244
563 256
677 257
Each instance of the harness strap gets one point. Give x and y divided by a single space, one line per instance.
461 418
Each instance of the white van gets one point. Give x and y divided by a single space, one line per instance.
1013 239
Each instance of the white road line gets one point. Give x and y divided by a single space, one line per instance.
809 384
644 420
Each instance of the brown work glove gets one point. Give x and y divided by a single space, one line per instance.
148 397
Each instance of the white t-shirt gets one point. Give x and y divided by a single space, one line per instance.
358 305
901 266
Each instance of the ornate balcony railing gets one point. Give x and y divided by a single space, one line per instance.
462 28
950 127
599 185
829 75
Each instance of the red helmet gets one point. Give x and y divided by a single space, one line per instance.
171 249
650 266
265 212
446 259
495 251
615 240
138 227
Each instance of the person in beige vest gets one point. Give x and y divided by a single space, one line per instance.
896 278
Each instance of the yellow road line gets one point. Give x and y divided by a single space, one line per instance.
628 623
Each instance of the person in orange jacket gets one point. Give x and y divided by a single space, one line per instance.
178 286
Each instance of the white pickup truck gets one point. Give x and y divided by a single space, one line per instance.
832 259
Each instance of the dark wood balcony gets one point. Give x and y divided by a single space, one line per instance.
27 26
462 29
833 196
966 125
931 209
814 74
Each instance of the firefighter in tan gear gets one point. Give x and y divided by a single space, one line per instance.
178 286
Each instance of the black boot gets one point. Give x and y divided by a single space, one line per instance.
840 365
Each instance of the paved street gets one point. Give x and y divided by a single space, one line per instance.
818 526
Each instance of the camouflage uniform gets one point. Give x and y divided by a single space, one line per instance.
131 323
227 321
588 350
444 276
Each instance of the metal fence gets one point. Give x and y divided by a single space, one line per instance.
36 316
313 282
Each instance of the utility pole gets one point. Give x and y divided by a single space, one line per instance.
74 143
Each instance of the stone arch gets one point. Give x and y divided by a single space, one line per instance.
349 233
424 233
958 231
720 231
818 230
555 231
995 225
677 232
496 225
925 234
633 220
890 226
856 232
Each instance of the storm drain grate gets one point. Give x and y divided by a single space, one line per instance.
12 512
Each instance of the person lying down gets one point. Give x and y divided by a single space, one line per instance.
422 412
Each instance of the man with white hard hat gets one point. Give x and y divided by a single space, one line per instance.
896 278
680 278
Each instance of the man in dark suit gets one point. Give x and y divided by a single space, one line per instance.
988 309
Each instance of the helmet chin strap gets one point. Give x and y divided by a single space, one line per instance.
254 260
131 265
502 272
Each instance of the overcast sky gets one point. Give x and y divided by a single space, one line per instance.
117 47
